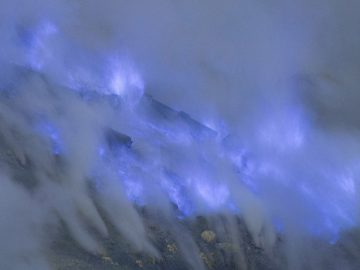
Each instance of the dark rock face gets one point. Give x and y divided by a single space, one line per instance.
115 139
217 252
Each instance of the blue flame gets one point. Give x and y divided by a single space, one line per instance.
52 134
276 160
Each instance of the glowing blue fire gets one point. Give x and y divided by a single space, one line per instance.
124 76
275 163
52 134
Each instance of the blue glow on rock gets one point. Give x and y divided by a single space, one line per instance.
51 133
125 81
213 195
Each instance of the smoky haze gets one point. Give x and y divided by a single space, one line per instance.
274 83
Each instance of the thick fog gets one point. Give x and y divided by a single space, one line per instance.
240 108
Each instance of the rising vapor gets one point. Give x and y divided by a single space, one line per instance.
239 110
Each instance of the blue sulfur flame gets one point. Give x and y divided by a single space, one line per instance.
169 153
52 135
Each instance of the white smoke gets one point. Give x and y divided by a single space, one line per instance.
276 82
